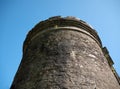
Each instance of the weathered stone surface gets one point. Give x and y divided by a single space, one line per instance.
64 59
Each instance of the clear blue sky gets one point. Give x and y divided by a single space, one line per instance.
17 17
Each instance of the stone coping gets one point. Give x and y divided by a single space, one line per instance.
61 22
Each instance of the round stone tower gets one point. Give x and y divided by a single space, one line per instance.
64 53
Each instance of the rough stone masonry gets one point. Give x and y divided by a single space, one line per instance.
65 53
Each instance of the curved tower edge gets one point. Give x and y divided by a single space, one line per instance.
59 21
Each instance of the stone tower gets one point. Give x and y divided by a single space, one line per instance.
65 53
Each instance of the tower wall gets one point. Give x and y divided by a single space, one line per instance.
64 53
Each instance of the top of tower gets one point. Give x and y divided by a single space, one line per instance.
71 18
62 22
